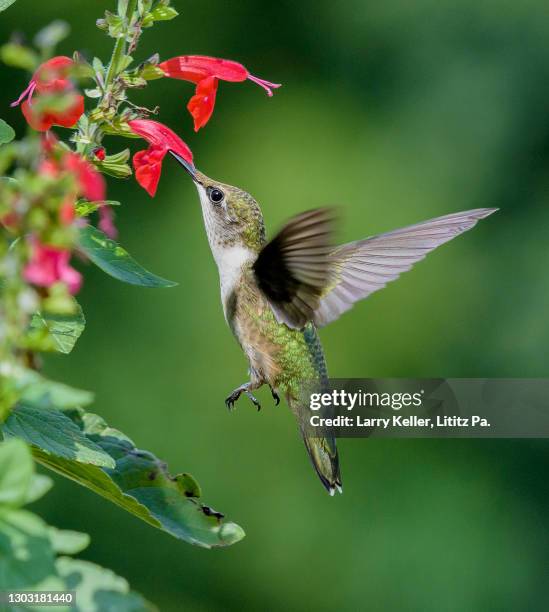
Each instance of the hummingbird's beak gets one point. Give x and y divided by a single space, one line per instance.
187 165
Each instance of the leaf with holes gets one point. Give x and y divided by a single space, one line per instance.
141 484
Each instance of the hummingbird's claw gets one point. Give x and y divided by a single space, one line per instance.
276 397
233 397
253 400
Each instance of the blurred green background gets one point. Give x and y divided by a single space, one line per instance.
397 111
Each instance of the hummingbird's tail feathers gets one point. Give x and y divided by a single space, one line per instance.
325 459
322 450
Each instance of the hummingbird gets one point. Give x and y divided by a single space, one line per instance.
277 293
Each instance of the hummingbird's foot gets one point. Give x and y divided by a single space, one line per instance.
233 397
253 399
276 397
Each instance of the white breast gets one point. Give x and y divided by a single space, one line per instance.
230 263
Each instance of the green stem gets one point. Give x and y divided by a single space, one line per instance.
119 47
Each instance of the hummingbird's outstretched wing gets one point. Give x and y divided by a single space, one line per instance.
362 267
293 269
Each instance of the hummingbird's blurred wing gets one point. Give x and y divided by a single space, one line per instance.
293 269
362 267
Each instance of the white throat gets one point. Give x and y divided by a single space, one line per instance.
230 259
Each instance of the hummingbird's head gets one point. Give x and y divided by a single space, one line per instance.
232 216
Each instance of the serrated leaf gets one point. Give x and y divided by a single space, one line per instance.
116 261
99 589
4 4
58 332
53 433
6 133
67 542
16 473
141 484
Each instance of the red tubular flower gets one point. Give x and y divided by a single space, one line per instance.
90 182
51 78
206 72
50 265
148 163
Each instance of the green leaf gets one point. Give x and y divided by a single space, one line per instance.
149 72
98 589
55 332
28 546
85 208
44 393
141 484
27 560
68 542
16 473
39 486
6 133
4 4
116 261
18 56
164 13
54 434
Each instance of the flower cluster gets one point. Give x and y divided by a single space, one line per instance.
54 181
51 99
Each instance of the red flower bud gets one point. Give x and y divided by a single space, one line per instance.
99 153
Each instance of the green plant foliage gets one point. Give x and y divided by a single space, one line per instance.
18 56
41 392
85 208
141 484
116 261
4 4
55 332
28 547
98 589
66 542
6 132
54 434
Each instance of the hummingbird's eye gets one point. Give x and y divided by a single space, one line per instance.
215 195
